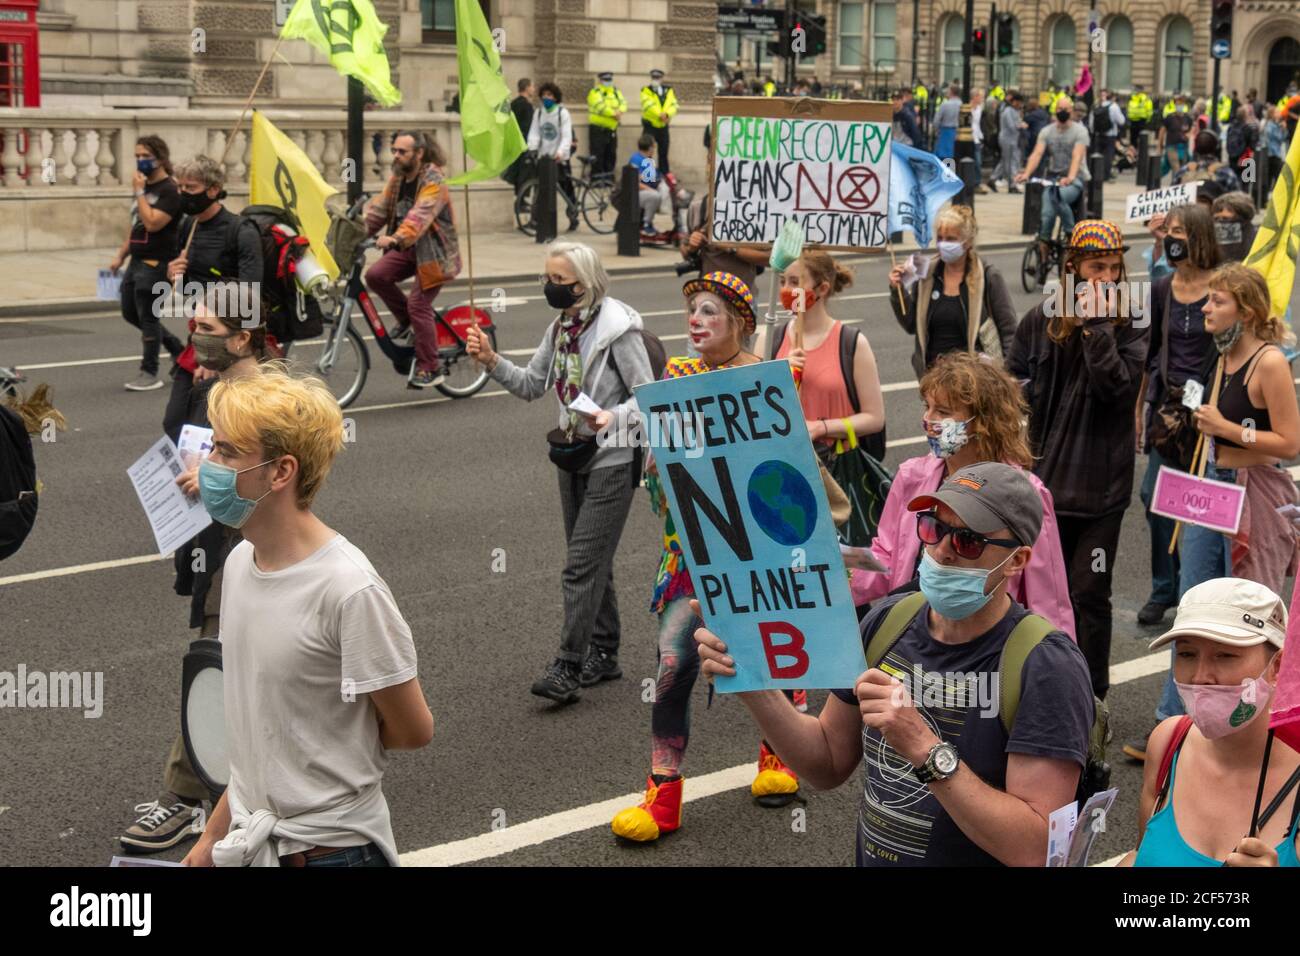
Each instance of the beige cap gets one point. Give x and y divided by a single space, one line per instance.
1231 611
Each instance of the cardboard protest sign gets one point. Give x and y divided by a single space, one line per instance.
1140 207
823 163
748 502
1203 501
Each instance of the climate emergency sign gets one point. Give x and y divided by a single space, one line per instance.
828 172
747 500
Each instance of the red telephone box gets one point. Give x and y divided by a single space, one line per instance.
20 60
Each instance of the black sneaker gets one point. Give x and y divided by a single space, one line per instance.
559 683
163 824
1152 612
600 665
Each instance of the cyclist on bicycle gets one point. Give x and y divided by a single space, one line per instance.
551 134
1066 144
415 213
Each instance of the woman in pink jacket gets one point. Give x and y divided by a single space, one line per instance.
974 411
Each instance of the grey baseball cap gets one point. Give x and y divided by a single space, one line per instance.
989 496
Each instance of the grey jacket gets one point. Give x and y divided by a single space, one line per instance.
614 361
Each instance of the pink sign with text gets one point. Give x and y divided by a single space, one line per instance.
1203 501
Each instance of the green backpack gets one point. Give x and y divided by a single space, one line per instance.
1025 636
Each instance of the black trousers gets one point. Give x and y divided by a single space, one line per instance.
661 144
138 308
1108 153
604 146
1089 546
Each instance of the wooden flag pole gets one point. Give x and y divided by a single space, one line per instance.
893 261
1201 456
469 232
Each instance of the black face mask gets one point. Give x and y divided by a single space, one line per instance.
1175 250
1063 115
194 204
561 296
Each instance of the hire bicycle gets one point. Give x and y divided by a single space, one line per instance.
340 358
1035 267
592 195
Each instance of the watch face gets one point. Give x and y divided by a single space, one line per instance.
945 759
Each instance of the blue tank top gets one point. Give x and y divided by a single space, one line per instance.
1163 845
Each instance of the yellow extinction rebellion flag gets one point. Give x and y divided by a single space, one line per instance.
1277 244
487 126
351 34
283 176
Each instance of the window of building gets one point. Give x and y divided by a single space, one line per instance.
1118 61
438 20
850 30
953 32
1060 54
1176 55
730 48
884 39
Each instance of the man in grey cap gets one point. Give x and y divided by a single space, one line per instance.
605 106
948 778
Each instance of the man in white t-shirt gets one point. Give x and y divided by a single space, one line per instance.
319 666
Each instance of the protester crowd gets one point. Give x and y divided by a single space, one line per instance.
1005 535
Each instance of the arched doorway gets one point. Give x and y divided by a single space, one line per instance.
1283 67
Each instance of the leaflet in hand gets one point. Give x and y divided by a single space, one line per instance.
584 406
1193 394
195 444
173 517
862 559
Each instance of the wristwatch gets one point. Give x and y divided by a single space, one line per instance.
940 764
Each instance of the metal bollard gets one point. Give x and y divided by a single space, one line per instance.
1153 173
970 175
544 203
628 224
1033 209
1097 169
1144 151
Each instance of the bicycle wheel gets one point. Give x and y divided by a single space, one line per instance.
598 206
346 375
463 376
1029 267
524 202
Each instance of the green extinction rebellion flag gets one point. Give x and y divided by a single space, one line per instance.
351 34
492 137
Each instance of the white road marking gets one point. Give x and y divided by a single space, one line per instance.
565 823
82 568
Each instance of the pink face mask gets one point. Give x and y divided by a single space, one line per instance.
1221 709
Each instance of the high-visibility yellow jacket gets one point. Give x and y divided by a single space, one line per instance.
997 93
1170 107
1056 102
1140 108
1225 109
603 106
655 111
769 88
920 94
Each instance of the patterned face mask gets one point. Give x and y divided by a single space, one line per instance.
946 436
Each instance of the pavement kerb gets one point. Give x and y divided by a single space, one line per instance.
40 307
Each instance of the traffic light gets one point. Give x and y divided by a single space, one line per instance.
979 42
815 24
1221 20
1006 36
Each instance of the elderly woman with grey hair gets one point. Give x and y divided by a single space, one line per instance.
593 349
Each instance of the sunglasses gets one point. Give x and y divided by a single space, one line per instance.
967 543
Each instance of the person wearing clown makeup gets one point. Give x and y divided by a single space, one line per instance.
719 320
1202 772
972 411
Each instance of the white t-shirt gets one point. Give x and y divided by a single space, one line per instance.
296 645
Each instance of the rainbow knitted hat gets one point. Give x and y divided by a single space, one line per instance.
1097 236
728 287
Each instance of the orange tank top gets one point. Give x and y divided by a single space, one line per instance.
822 392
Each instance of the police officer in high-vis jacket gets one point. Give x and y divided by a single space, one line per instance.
658 107
605 105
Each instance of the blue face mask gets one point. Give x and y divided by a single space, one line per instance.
548 102
146 166
222 501
956 593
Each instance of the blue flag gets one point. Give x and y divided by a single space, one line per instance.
919 183
748 501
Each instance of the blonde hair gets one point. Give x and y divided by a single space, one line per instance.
997 404
961 218
1250 291
283 415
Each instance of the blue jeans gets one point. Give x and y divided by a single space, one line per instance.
368 855
1063 207
1205 555
1164 566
